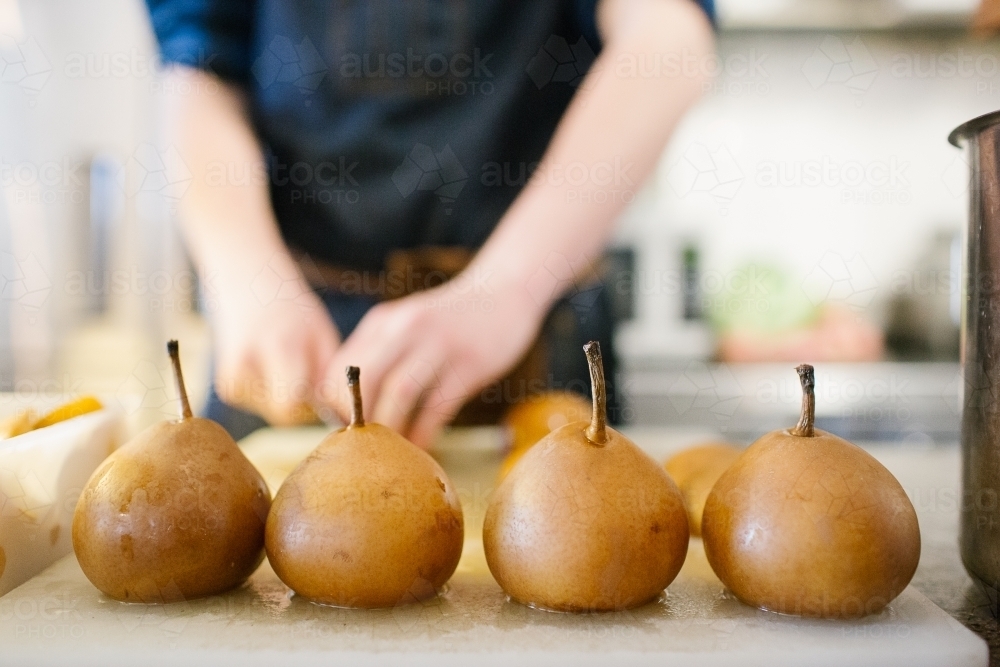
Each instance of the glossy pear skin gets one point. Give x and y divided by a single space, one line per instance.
367 520
812 526
582 527
176 513
695 471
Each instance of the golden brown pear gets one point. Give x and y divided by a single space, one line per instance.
509 462
806 523
367 520
176 513
586 521
695 470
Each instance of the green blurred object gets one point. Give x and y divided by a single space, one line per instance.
757 297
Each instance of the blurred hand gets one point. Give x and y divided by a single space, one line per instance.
270 358
423 356
986 20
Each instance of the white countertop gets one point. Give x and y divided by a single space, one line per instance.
59 616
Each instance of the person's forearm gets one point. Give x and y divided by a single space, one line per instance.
226 214
608 142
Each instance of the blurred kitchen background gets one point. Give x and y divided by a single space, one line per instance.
810 208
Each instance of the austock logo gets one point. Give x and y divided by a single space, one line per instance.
558 61
43 617
171 619
709 388
277 282
150 171
424 170
556 276
25 497
286 62
835 62
24 64
417 613
957 176
24 280
46 182
841 280
710 172
146 389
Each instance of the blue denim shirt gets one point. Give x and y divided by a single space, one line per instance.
391 123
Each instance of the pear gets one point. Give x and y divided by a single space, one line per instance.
695 470
805 523
176 513
586 521
366 520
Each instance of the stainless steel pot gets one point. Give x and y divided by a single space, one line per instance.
980 530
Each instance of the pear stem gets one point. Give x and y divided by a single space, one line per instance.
175 358
354 384
597 432
807 418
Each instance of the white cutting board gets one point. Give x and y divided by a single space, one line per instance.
58 617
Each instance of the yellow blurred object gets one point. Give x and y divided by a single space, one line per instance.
695 470
531 420
17 424
75 408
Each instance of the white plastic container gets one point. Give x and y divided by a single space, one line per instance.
41 476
